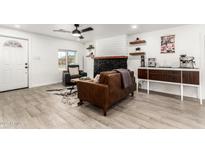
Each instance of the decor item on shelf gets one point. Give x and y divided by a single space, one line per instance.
142 61
152 62
187 61
168 44
138 49
91 55
90 52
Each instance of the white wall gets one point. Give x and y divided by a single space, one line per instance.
43 66
112 46
187 41
89 62
105 47
43 53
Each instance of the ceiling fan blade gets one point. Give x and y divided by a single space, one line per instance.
61 30
87 29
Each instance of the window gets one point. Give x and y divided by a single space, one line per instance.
66 57
71 57
62 59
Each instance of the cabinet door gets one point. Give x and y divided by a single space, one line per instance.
142 73
190 77
165 75
157 75
173 76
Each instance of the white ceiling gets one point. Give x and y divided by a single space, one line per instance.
100 30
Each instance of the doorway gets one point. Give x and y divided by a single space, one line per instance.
13 63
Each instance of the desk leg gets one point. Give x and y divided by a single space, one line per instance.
200 95
147 86
137 85
182 93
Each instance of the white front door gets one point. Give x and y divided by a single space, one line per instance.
13 63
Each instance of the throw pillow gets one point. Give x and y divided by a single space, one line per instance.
97 78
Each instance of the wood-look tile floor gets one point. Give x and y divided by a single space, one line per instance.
35 108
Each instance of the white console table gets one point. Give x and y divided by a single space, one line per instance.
176 76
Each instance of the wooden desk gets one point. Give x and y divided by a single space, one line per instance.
178 76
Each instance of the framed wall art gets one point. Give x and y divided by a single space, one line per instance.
168 44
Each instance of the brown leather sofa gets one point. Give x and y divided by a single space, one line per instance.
107 92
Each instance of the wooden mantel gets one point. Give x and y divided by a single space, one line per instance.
112 57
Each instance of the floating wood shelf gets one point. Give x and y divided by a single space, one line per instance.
137 42
137 53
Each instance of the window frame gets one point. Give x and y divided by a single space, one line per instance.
67 51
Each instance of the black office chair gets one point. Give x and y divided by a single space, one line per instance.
72 72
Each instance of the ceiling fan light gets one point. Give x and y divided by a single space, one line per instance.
76 33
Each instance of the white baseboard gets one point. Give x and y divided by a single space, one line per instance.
44 84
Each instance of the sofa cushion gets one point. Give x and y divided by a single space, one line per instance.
103 77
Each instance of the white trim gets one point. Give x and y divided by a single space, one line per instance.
9 36
44 84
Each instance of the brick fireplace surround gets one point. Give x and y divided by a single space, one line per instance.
109 63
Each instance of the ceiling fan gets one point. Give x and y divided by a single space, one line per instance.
76 32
